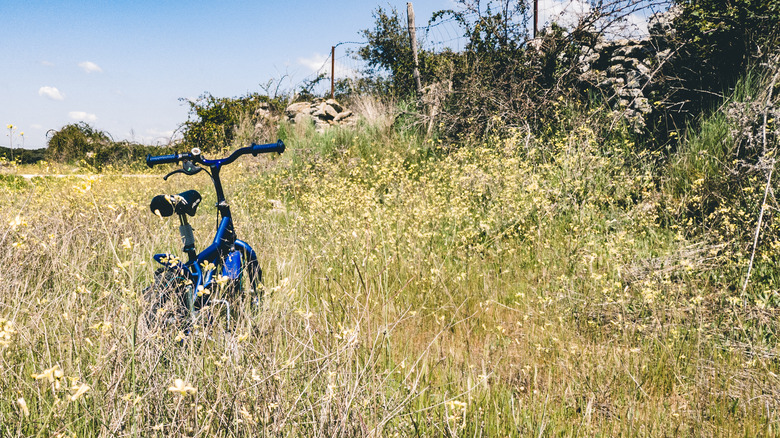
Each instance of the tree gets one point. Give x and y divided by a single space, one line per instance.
388 51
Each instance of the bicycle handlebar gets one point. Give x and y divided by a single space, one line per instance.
265 148
162 159
254 149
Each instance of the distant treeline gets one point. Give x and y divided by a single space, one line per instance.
80 142
23 156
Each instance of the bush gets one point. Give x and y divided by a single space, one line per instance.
717 178
718 40
214 122
95 148
497 81
75 141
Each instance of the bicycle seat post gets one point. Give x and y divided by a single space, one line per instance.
187 238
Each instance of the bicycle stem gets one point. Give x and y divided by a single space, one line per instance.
222 205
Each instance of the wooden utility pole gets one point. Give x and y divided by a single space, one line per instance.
332 72
413 43
536 17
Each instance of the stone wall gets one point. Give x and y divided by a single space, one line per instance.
629 73
322 113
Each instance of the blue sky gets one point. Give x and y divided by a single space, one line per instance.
122 66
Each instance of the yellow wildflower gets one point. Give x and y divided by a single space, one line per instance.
23 406
79 391
182 388
222 280
51 374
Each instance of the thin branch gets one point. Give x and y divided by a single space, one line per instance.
768 181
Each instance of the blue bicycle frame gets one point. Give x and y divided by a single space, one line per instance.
225 250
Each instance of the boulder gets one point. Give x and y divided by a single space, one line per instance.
297 108
323 113
343 115
335 105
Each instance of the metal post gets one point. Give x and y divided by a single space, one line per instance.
332 72
536 17
413 43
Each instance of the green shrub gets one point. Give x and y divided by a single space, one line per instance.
717 178
214 122
75 141
717 41
80 142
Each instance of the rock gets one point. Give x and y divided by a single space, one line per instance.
294 109
301 118
342 116
643 69
323 113
331 111
319 112
263 114
662 23
631 93
616 70
663 55
335 105
611 82
627 72
320 125
634 51
642 104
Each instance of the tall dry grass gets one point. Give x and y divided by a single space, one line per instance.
522 286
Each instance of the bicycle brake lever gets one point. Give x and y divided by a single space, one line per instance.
190 168
173 173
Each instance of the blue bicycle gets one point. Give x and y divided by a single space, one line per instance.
181 289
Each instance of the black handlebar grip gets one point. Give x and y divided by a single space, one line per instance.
162 159
266 148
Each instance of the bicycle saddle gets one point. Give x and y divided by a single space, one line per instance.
183 203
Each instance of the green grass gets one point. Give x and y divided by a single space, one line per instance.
513 287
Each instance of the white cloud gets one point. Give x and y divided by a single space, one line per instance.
51 92
153 136
315 63
82 116
90 67
567 13
564 12
159 133
47 63
321 64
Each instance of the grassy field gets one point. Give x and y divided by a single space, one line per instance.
530 285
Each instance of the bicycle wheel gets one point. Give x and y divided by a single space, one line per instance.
163 303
